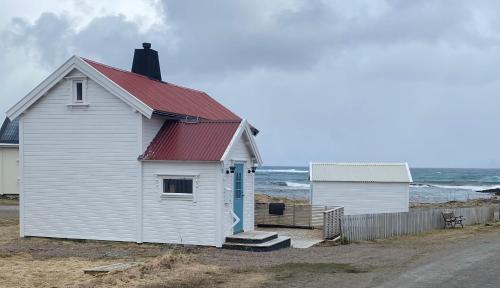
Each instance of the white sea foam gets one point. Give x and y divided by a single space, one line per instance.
467 187
419 185
281 171
297 185
459 187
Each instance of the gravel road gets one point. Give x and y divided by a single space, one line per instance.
9 211
476 265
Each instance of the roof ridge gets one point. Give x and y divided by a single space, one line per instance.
143 76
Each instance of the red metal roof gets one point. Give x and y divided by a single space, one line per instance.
202 141
166 97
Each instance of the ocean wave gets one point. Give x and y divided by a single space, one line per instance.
297 185
281 171
459 187
293 184
420 185
467 187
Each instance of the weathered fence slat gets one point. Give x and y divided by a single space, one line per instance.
332 225
386 225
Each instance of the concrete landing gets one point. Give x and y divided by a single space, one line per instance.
252 237
300 238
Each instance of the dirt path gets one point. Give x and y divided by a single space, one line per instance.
474 265
9 211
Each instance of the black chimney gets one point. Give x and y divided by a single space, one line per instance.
146 62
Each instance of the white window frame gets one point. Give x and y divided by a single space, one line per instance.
74 81
180 196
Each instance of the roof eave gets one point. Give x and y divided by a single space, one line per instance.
9 145
180 160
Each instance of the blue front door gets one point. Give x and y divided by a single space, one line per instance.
238 196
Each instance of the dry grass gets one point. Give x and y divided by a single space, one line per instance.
178 270
493 201
23 271
7 201
39 262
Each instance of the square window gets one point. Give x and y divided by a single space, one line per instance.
180 186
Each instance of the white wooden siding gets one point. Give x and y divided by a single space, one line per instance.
362 198
240 152
150 128
9 170
181 221
80 166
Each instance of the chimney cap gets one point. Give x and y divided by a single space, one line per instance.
146 45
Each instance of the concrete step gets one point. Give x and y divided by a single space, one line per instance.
274 244
252 237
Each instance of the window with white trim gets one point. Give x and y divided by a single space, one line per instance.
79 90
177 186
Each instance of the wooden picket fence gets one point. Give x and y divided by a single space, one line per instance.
295 215
386 225
332 219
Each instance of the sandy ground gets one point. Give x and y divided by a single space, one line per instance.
39 262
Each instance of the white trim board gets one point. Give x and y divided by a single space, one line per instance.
243 128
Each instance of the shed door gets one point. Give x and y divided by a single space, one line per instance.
238 196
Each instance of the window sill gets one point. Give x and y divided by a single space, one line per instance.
177 196
84 105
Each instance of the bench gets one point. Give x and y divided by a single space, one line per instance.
450 220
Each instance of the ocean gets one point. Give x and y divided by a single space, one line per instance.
431 185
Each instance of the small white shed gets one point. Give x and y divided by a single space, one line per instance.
9 158
361 188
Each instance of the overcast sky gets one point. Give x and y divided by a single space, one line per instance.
344 81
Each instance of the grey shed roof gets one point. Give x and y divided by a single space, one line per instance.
9 133
360 172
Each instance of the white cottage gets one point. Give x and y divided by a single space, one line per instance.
361 188
110 154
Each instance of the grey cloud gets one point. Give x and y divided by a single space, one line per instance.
48 35
416 81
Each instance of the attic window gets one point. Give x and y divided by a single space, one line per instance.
79 91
